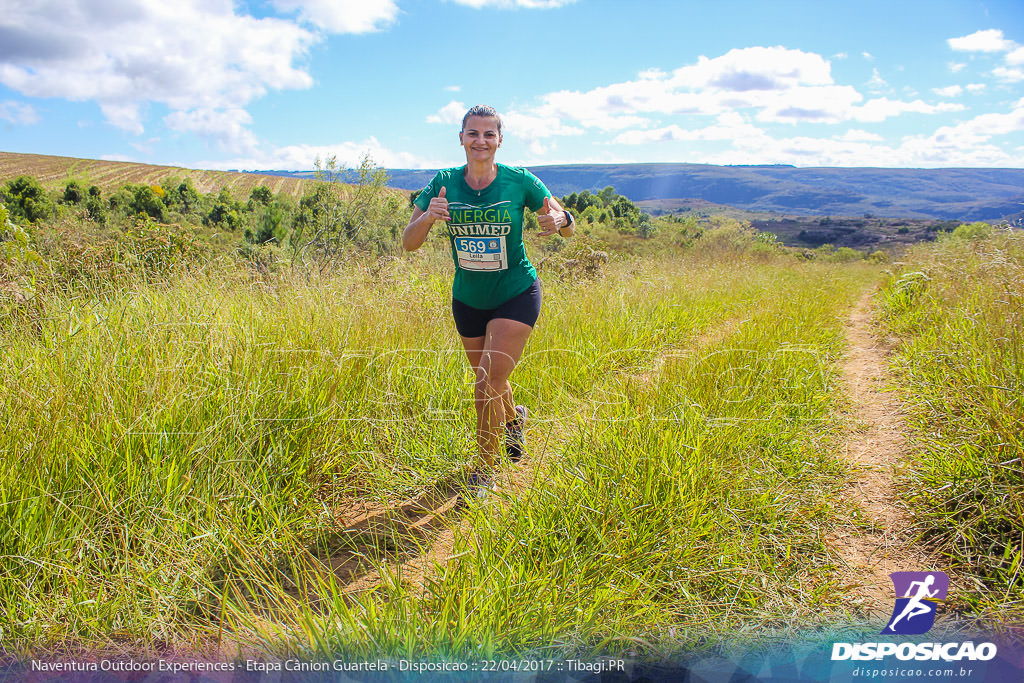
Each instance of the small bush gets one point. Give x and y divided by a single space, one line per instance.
969 231
555 244
845 255
878 256
73 193
25 198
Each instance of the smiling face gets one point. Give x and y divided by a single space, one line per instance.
480 138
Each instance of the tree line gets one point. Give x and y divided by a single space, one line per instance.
331 214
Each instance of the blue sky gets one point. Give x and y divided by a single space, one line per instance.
272 84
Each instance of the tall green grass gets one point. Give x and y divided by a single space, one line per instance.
956 308
687 497
178 455
159 437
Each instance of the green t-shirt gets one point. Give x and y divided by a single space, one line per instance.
486 232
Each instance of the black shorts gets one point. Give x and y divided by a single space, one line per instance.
472 322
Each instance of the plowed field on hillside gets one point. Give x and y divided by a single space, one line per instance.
54 171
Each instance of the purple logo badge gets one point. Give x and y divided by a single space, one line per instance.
917 595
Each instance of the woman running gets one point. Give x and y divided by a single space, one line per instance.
496 294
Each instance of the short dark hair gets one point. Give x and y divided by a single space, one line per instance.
484 110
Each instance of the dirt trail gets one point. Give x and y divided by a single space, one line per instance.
403 538
875 447
425 528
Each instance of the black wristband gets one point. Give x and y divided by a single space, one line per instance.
568 219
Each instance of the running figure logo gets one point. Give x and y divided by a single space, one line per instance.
917 596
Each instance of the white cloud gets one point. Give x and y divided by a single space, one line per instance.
867 55
949 91
302 157
228 128
821 104
146 146
453 88
532 128
651 73
882 108
957 67
916 152
971 143
876 81
755 68
524 126
602 108
1007 74
450 113
991 40
857 135
515 4
18 113
748 77
730 126
537 148
787 84
984 126
975 87
343 16
743 86
968 143
123 115
190 55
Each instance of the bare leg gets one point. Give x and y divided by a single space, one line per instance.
474 349
493 357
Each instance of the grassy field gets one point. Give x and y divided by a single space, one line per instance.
957 308
184 449
682 492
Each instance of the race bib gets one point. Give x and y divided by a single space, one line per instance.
481 253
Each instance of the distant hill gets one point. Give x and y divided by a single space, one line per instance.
948 193
967 194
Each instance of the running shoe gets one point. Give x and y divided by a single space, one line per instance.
515 441
479 486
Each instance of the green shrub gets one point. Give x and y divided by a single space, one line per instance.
845 255
73 193
181 196
270 224
969 231
878 256
15 246
261 194
25 198
555 244
94 205
645 227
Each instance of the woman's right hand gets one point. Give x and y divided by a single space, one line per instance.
438 207
419 225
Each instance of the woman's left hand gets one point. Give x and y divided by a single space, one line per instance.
551 217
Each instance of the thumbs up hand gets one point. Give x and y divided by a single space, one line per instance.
438 208
551 218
